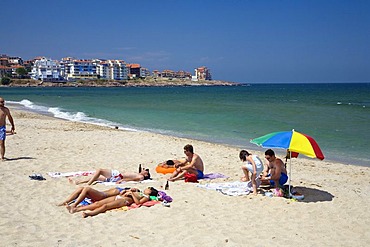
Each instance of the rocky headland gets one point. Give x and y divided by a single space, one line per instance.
148 82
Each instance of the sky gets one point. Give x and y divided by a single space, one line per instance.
238 40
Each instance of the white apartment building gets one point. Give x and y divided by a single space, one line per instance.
118 70
102 70
80 70
112 70
45 69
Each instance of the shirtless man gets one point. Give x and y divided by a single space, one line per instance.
4 113
109 175
275 173
192 164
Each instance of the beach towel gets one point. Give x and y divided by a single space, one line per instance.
125 182
146 204
236 188
214 176
70 174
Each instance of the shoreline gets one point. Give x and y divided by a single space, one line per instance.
328 214
247 145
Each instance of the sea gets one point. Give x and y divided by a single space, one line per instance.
336 115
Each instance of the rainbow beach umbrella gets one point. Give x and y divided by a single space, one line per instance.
294 142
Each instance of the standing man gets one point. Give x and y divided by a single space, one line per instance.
193 164
275 173
4 113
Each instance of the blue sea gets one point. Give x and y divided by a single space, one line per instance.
336 115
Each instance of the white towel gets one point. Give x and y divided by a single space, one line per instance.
235 188
70 174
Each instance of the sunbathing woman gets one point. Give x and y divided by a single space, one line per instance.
109 175
95 195
113 202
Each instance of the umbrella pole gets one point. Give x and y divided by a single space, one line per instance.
290 171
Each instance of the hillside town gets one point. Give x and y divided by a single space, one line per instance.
72 70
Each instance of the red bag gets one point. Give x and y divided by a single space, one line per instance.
191 178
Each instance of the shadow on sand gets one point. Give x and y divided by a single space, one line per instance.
313 195
19 158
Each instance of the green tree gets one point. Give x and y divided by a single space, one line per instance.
21 72
5 81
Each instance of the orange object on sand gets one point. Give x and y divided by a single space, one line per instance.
164 170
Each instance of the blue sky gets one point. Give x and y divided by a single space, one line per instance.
239 40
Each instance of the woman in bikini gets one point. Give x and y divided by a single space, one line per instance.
95 195
117 201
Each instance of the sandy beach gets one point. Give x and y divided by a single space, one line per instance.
335 211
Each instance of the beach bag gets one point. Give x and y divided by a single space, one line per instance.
162 196
191 178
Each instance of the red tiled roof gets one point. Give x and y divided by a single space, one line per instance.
134 65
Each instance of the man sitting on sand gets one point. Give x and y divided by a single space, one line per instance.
109 175
193 164
275 173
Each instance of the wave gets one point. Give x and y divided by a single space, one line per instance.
70 116
355 104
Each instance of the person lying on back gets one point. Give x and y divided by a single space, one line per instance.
171 163
117 201
109 175
81 193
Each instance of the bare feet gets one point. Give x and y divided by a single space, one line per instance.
71 181
85 214
61 204
72 209
244 179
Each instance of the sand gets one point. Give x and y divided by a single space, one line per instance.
335 211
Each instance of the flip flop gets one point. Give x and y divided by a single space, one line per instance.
38 177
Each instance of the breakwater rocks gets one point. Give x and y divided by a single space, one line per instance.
128 83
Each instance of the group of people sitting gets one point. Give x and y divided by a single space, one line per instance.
273 174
